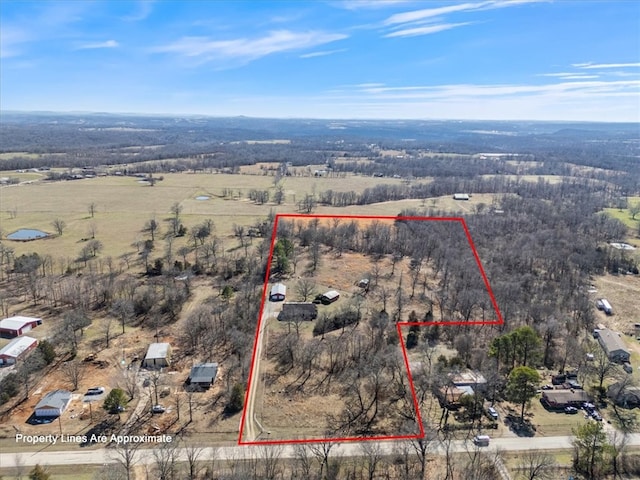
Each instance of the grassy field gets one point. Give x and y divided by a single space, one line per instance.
9 155
624 216
124 206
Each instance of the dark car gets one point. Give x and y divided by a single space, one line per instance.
570 410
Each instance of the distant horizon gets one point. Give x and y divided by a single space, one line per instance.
337 119
508 60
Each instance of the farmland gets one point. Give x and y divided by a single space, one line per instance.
175 250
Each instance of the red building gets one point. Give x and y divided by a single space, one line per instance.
15 326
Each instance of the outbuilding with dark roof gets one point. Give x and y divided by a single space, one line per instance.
203 375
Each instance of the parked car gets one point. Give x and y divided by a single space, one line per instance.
493 413
95 391
626 366
570 410
573 384
481 440
596 416
547 387
158 409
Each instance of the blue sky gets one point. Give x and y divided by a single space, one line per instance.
504 60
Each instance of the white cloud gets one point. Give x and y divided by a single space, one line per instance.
11 38
323 53
246 49
569 75
464 91
141 12
590 65
370 4
426 30
423 14
107 44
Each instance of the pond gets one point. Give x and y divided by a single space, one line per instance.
203 197
27 234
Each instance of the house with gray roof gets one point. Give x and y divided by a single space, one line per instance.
298 311
203 375
613 345
53 404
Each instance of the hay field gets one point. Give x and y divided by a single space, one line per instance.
123 206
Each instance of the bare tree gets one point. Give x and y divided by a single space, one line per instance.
166 460
536 465
123 310
303 461
151 227
321 453
193 454
19 466
73 371
373 456
92 208
601 367
155 379
106 330
305 288
59 225
124 454
128 381
92 231
271 461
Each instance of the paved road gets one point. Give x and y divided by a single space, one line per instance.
145 456
251 427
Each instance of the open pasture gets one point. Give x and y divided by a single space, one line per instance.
123 206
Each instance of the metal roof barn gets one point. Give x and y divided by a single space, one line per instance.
158 355
278 292
17 348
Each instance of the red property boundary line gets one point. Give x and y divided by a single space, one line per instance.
399 325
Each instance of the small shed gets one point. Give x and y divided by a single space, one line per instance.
329 297
613 346
15 326
298 311
461 196
158 356
53 404
278 292
203 375
16 349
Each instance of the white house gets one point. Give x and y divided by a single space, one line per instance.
53 404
